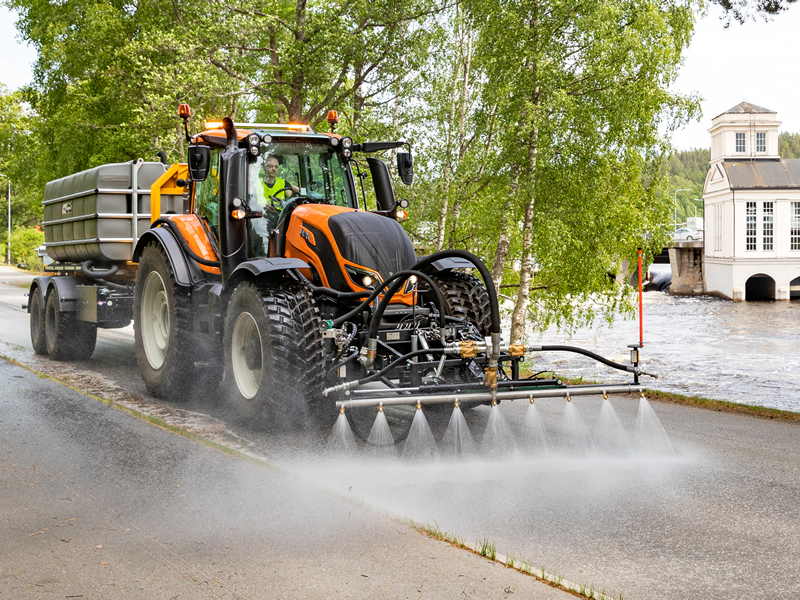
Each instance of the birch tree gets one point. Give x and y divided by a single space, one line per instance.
582 89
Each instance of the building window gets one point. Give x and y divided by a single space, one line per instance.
761 141
717 227
750 231
767 230
740 142
794 229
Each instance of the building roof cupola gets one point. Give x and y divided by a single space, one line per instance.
745 132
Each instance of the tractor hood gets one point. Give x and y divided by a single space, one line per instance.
333 238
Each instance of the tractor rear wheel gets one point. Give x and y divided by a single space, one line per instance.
38 339
274 364
66 337
465 296
162 326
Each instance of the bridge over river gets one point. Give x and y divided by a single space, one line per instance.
686 261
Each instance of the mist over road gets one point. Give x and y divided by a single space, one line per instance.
719 519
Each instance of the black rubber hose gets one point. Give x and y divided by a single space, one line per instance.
590 354
338 365
114 286
326 291
400 279
397 361
184 244
88 270
338 321
487 278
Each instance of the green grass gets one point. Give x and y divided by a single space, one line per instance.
488 549
760 412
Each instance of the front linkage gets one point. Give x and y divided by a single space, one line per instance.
425 355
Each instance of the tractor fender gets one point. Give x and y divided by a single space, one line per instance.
447 264
186 274
39 285
261 266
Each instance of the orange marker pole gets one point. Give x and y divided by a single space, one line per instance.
641 327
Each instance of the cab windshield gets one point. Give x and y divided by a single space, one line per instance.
284 170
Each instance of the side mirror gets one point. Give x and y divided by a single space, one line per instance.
199 162
405 167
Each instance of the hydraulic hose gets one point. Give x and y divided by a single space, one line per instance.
169 224
591 355
399 280
370 348
487 278
377 291
370 378
494 307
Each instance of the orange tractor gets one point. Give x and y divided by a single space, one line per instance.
258 262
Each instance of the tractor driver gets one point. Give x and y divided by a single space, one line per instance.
274 185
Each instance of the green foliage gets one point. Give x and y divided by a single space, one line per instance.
788 145
687 171
536 104
20 149
24 242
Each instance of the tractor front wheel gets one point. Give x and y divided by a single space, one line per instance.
161 326
465 296
66 337
274 364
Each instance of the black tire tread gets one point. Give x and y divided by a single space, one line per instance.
175 376
74 339
38 338
466 295
298 376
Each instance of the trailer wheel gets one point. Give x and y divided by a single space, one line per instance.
38 338
274 365
162 330
66 337
465 295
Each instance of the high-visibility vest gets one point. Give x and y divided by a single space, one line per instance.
276 189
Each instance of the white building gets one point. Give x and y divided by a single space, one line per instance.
752 209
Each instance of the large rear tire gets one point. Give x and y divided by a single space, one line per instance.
66 337
274 365
466 296
162 327
38 338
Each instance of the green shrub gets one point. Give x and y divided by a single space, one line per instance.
24 241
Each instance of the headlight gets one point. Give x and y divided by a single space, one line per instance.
334 142
347 142
267 139
347 153
253 139
254 150
362 277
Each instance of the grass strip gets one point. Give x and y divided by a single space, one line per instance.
761 412
487 549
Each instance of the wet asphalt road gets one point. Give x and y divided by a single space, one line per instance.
98 504
718 519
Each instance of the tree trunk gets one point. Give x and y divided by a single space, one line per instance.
504 241
523 293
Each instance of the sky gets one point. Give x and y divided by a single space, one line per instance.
753 62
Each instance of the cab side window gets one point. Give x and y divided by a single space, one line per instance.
206 195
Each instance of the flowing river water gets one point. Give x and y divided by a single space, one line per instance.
744 352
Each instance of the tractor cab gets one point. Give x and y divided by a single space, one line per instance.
290 192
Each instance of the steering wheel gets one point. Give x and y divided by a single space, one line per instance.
277 202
